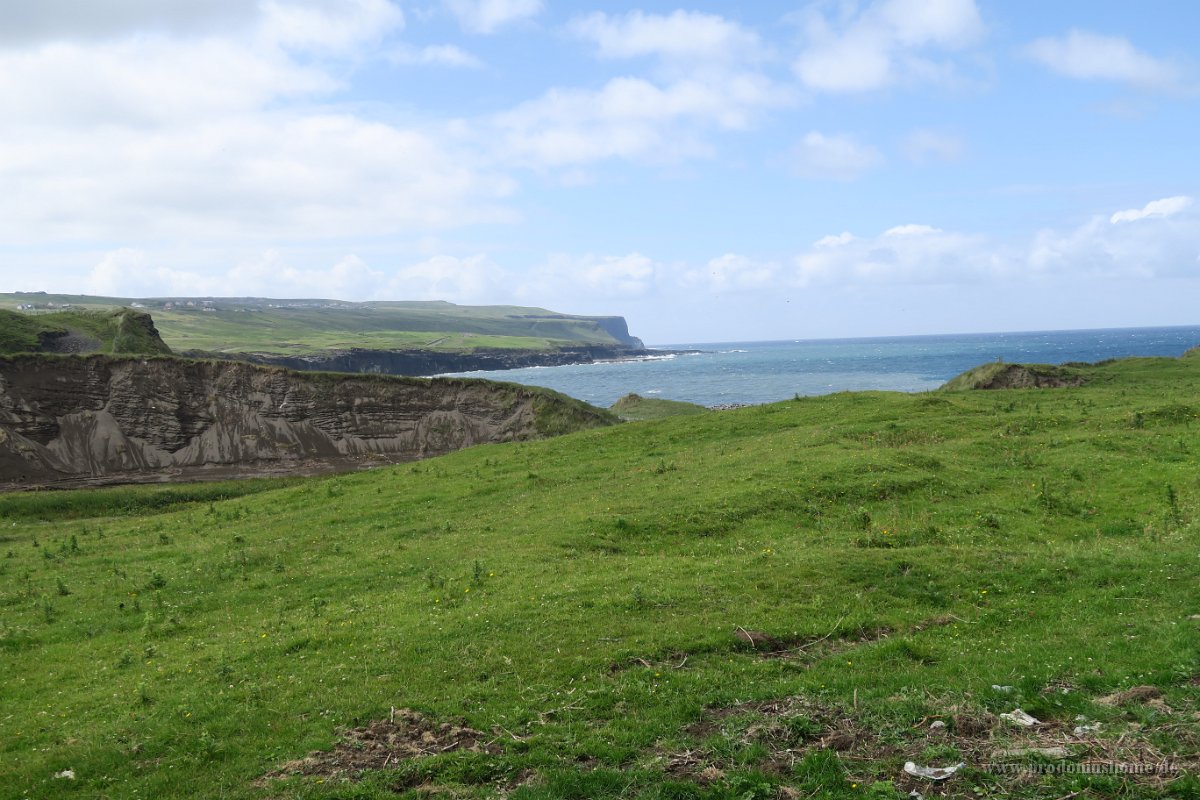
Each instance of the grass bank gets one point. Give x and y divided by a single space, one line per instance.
769 602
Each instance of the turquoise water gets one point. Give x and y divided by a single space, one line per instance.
763 372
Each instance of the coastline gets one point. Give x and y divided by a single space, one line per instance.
427 363
731 374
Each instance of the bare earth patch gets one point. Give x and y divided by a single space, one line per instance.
790 728
1021 376
378 745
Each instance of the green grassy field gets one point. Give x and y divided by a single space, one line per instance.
106 331
769 602
293 327
635 408
306 333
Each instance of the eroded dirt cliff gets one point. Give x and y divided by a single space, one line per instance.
97 419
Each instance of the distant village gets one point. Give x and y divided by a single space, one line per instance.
247 304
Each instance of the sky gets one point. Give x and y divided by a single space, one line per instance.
711 171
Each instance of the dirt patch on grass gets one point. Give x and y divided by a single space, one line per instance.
810 647
788 729
838 640
378 745
807 647
1020 376
1136 694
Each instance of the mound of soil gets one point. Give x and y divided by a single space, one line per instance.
406 735
788 728
1020 376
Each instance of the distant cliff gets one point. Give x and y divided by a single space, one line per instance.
80 331
67 419
431 362
619 330
393 338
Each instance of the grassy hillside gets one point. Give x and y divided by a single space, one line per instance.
635 408
301 327
769 602
999 375
81 331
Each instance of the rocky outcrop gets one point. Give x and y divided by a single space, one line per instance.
105 419
430 362
1016 376
122 330
1023 376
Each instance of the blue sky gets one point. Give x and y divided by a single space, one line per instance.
711 172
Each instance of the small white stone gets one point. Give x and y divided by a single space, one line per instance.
1019 717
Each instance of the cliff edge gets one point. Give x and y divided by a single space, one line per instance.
102 419
122 330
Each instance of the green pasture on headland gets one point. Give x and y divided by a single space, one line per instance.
775 601
308 327
635 408
101 331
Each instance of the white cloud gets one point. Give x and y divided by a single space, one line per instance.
855 62
147 136
486 16
924 146
837 157
681 35
905 254
326 25
1166 207
733 272
1164 245
44 20
145 82
253 175
911 230
631 118
446 55
563 278
618 275
947 23
472 279
329 25
1086 55
134 273
128 272
835 240
884 43
703 79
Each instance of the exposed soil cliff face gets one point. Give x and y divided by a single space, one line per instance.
103 419
1021 376
1016 376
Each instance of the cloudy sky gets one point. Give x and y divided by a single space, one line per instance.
710 171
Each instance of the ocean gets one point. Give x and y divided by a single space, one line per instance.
749 373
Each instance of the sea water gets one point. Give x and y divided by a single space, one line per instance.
747 373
